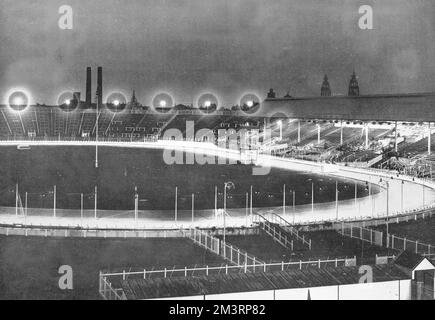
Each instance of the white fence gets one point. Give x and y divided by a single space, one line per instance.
410 245
274 231
287 226
227 269
364 234
227 251
88 233
106 290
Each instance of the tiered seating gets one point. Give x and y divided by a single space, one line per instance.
43 120
15 123
30 123
73 123
59 120
87 123
4 126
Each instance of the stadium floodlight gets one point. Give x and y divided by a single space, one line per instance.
18 101
162 103
116 102
207 104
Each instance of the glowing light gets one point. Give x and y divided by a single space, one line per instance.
67 102
250 103
207 103
18 101
116 102
162 103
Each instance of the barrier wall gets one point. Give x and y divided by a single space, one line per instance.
388 290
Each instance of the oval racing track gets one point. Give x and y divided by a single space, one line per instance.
417 194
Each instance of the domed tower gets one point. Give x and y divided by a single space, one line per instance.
353 86
325 91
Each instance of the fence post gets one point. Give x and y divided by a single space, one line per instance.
226 269
185 271
319 263
300 264
123 274
416 246
392 241
336 262
231 254
238 256
265 267
144 273
282 265
165 272
404 244
206 270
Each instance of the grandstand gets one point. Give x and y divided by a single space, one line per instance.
97 172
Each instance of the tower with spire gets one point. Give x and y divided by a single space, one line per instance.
353 86
133 101
325 91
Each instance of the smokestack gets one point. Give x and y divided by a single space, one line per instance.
88 87
100 86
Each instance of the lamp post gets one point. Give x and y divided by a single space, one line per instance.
96 131
176 205
387 185
401 195
228 185
193 207
294 205
247 206
336 200
283 199
312 197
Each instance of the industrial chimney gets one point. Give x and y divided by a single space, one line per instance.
100 86
88 87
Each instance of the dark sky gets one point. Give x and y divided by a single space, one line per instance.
228 47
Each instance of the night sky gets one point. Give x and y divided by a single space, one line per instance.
228 47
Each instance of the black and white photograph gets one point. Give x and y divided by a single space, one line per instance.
230 152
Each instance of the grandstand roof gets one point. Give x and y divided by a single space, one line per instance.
243 282
413 107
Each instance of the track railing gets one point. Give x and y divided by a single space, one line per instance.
274 231
287 226
225 250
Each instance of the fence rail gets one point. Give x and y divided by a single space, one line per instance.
287 226
107 291
226 269
368 235
410 245
227 251
88 233
274 231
